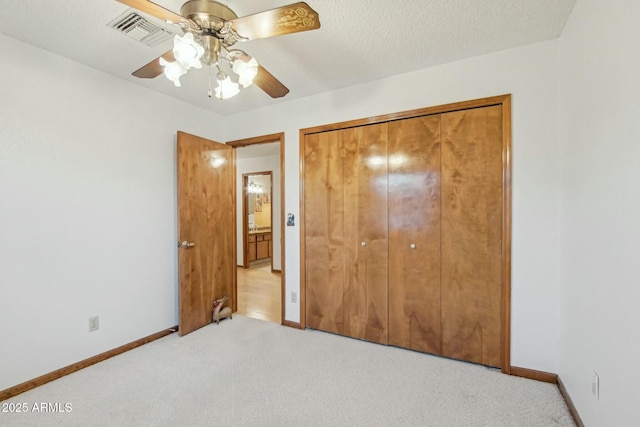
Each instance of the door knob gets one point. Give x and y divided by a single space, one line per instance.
412 246
363 243
186 244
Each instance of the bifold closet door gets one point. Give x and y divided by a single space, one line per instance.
414 234
403 226
324 231
472 235
346 237
365 233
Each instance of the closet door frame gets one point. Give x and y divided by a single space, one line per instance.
505 102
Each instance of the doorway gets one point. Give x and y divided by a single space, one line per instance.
260 244
257 219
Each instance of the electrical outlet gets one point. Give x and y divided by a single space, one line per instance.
294 297
595 386
94 323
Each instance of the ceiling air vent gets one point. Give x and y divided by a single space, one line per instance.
139 28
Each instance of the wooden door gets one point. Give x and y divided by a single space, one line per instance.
472 235
206 219
414 234
366 233
324 231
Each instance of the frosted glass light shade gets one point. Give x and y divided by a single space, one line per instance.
187 52
226 88
173 71
246 71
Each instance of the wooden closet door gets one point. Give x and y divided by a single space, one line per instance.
324 231
366 232
414 234
472 234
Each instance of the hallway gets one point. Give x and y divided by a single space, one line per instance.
259 293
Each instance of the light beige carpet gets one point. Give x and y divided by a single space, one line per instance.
246 372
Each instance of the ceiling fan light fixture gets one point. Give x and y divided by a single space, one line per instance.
246 71
210 29
173 71
187 51
254 188
226 88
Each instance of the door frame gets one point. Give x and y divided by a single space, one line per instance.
245 212
266 139
502 100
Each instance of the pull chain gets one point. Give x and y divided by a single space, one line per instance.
210 92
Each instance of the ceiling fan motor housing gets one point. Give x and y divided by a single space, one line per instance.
207 14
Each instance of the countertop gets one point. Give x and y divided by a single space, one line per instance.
260 230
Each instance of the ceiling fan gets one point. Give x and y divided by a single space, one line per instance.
211 29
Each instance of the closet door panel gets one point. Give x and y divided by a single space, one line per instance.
324 230
472 234
365 232
414 234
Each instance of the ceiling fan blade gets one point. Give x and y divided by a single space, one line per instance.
293 18
153 9
265 80
153 68
272 86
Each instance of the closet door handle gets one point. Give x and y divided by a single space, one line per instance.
186 244
412 246
363 243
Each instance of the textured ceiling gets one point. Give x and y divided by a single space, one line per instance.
359 40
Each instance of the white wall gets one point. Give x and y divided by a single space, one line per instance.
530 74
600 140
88 210
261 164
